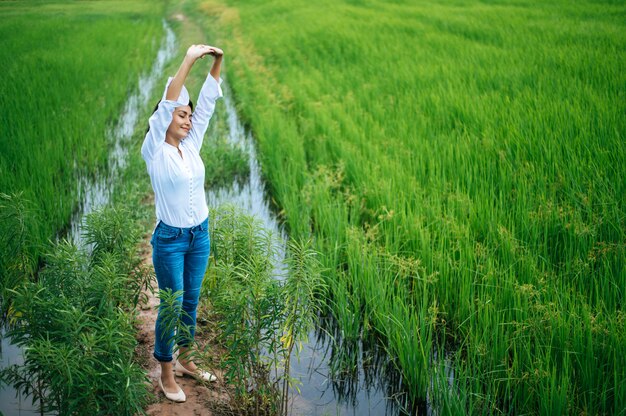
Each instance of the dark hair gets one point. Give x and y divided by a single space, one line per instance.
157 106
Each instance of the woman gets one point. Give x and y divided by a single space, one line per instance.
180 241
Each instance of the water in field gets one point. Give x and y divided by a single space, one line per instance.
250 196
10 404
371 387
96 193
364 382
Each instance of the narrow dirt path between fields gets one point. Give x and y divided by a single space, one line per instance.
199 396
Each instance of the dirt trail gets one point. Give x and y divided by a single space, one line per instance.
199 396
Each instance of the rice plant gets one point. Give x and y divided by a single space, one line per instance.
460 167
67 70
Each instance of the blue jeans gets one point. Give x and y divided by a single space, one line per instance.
180 257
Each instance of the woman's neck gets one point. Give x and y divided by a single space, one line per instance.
173 141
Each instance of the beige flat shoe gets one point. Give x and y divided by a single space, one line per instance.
199 374
177 397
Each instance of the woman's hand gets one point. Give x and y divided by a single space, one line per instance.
217 52
196 52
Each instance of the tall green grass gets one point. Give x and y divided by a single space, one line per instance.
67 68
461 166
263 321
75 324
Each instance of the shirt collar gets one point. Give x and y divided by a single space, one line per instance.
169 146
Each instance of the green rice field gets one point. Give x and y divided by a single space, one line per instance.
461 166
67 68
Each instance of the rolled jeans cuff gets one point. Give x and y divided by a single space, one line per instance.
162 358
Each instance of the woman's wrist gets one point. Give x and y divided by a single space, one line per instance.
189 60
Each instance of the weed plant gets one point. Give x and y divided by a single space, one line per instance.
75 323
263 317
170 310
461 168
17 218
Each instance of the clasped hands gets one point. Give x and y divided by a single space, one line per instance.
200 51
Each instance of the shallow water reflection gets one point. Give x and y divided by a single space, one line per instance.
10 404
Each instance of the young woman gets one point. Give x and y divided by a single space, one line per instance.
180 241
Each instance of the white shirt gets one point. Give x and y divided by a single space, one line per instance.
178 182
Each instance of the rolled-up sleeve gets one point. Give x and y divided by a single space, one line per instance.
159 123
209 94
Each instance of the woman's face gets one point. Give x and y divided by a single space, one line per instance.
181 122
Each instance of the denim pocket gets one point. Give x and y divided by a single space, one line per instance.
165 234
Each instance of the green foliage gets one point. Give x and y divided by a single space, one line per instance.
67 68
17 262
245 298
262 315
225 163
75 324
114 239
463 180
171 314
301 293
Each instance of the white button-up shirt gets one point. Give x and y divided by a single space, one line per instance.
178 182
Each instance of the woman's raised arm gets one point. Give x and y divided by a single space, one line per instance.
209 94
194 53
217 64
